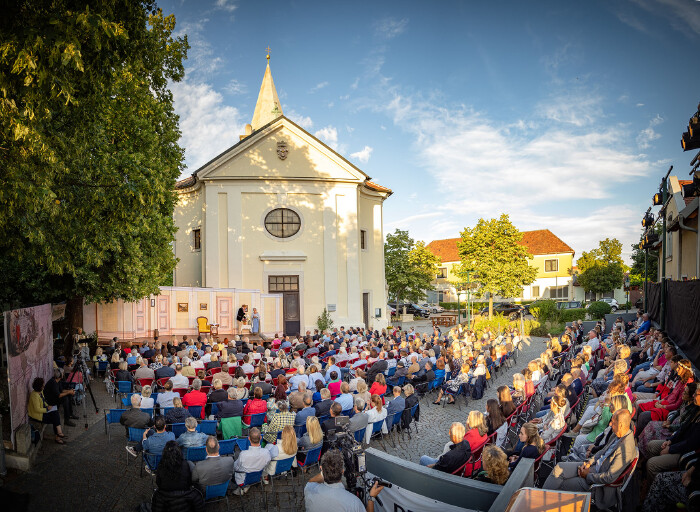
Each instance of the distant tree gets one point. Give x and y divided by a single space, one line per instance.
409 267
490 252
602 269
89 150
637 268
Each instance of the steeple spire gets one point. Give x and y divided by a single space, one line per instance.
268 105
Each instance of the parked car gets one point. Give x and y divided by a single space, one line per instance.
411 309
569 304
509 309
433 308
391 311
639 303
613 303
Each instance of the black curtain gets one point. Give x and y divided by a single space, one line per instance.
683 317
654 301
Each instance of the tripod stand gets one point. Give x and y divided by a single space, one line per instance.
81 368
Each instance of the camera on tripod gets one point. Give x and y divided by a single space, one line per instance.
341 439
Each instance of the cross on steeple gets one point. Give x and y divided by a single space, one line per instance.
268 50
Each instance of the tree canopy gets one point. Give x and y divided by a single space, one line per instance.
409 267
602 269
89 149
492 255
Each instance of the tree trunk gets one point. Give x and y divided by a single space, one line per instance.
74 319
490 305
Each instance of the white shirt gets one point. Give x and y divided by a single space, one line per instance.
179 381
373 416
253 459
594 343
206 358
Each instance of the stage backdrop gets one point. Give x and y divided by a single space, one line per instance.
29 344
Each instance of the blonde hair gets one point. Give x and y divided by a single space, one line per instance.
289 440
519 382
618 402
495 463
624 351
177 402
115 357
476 420
377 401
313 428
408 390
457 432
123 365
533 436
361 385
146 391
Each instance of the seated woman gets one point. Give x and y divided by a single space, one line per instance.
39 410
334 384
553 422
529 385
665 429
476 431
241 390
505 401
378 386
146 400
284 449
534 368
454 385
123 374
494 466
173 472
202 376
374 414
255 406
312 438
456 455
519 395
532 445
362 391
495 422
178 414
599 385
658 410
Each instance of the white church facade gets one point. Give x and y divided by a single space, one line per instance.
282 213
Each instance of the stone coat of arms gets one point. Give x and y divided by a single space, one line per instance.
282 150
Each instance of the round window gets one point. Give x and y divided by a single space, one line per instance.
282 223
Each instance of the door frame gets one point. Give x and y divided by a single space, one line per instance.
265 288
163 299
231 317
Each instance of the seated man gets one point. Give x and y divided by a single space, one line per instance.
603 468
456 456
191 438
398 404
153 442
231 407
345 397
135 417
218 394
324 406
300 418
214 469
325 491
360 419
296 398
255 458
179 380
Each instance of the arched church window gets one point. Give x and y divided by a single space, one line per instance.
282 222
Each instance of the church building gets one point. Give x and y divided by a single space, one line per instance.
283 213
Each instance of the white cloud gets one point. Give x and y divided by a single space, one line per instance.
572 108
355 84
681 14
640 104
226 5
350 129
201 62
235 87
208 125
304 121
388 28
648 135
318 87
329 135
362 155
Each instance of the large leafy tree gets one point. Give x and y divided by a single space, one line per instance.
88 149
409 267
492 255
602 269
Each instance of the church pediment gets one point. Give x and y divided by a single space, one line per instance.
281 150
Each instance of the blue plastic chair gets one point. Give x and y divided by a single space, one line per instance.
282 468
214 409
254 478
126 400
300 430
214 493
112 416
227 446
134 438
123 388
195 411
207 427
360 435
256 420
376 429
196 453
243 443
391 371
166 410
313 458
149 411
102 367
178 429
391 421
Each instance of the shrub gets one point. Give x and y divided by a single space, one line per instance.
500 323
324 321
540 331
598 310
545 310
569 315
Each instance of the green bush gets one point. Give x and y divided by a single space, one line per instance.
500 323
598 310
626 306
540 331
569 315
324 321
545 310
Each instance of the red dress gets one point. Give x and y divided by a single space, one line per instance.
672 402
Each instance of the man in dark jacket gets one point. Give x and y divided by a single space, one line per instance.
265 386
456 456
57 393
231 407
323 407
135 417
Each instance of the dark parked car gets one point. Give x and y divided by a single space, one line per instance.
512 311
639 303
411 309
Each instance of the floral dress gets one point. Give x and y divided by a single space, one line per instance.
656 430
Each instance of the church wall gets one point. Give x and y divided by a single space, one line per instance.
188 216
372 258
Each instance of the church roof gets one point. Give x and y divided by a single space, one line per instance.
268 107
538 242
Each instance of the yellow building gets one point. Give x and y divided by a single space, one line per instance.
552 258
682 241
283 213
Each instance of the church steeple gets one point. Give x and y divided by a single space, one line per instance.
268 105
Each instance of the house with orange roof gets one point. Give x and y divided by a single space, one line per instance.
551 256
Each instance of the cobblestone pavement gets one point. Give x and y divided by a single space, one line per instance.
91 473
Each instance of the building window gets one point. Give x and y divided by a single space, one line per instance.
535 291
441 297
669 245
282 223
197 239
551 265
558 292
363 239
442 273
277 284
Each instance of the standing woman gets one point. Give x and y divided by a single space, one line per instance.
39 410
255 322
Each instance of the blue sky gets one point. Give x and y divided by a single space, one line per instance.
564 115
